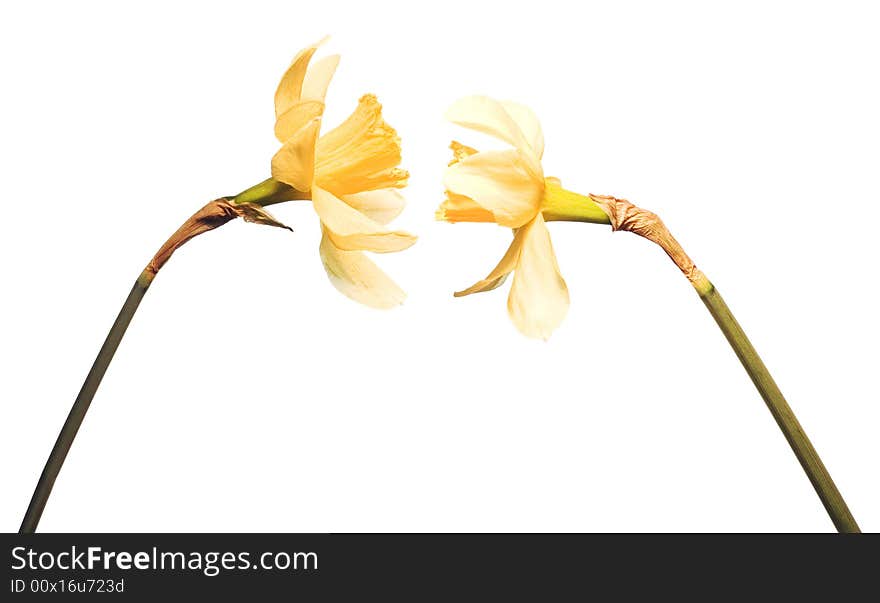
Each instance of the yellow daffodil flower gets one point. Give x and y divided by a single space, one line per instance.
351 174
508 187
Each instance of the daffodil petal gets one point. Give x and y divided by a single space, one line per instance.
294 163
381 205
289 90
357 277
538 300
296 117
500 181
351 230
528 124
317 78
501 271
487 115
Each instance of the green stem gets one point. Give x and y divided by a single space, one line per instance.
781 411
623 215
560 204
270 192
81 405
267 192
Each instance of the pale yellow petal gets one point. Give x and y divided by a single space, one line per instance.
489 116
500 181
538 300
504 267
296 117
358 278
351 230
289 91
294 163
528 124
318 76
381 205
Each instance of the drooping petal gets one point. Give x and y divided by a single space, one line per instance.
358 278
500 181
289 90
296 117
351 230
380 205
489 116
502 270
528 124
538 300
294 163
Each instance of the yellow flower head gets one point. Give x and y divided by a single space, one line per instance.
351 173
508 187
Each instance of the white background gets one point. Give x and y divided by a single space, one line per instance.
249 395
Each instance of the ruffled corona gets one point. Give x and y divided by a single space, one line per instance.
458 208
361 154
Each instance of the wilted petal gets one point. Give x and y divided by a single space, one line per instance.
351 230
357 277
380 205
257 214
294 163
504 268
538 300
500 181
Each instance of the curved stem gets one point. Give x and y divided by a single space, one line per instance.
803 449
248 206
626 216
81 404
